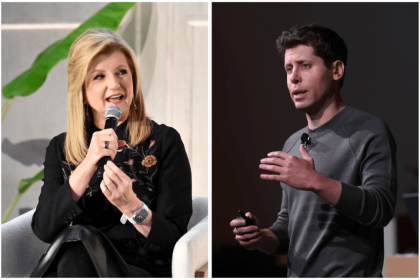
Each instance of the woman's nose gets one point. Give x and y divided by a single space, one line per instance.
113 82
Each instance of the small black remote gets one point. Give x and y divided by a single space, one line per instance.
248 220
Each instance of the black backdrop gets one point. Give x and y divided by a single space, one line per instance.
252 113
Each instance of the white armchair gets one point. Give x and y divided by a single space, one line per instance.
21 249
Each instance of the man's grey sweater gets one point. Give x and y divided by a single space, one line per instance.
345 239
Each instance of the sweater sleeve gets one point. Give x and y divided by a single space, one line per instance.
56 209
280 227
373 202
174 200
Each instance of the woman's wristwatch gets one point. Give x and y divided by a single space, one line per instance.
138 217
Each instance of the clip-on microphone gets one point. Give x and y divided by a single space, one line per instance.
305 139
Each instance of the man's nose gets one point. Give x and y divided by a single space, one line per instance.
295 77
113 82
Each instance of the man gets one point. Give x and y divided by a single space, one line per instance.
338 191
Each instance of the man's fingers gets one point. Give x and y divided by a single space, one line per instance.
279 154
273 160
270 167
237 223
304 153
252 217
248 236
246 230
271 177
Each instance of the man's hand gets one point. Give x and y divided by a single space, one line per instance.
247 236
300 174
252 237
296 172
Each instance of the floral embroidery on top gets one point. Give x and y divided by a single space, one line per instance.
139 155
139 163
149 161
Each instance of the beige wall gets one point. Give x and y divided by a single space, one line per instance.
174 62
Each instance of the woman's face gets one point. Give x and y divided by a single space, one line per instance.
109 81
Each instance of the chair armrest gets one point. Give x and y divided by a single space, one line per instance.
191 251
20 248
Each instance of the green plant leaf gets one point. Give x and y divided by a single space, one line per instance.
24 184
32 79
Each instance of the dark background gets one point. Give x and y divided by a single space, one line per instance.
252 113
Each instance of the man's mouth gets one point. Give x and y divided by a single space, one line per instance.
297 92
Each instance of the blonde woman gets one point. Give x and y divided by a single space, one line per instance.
147 181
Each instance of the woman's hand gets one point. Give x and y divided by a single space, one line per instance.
97 148
80 178
117 188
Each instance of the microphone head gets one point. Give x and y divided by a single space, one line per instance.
305 139
113 111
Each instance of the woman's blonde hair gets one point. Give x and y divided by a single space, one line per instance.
89 45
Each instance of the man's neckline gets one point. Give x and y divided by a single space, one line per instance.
334 121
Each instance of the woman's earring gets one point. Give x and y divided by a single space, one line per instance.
135 106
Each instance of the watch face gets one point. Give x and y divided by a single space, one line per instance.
141 216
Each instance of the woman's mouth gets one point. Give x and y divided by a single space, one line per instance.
115 99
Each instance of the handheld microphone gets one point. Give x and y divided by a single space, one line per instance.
113 114
305 139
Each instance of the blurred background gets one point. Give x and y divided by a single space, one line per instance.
171 43
253 113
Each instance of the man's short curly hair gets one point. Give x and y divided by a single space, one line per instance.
327 44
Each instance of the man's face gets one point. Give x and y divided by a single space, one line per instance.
308 79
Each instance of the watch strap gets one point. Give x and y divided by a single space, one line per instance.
124 218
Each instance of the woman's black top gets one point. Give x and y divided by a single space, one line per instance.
161 175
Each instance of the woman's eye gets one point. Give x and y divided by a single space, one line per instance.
122 72
99 77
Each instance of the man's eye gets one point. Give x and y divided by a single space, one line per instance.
99 77
289 69
305 65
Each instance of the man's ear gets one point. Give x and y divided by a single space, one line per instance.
338 69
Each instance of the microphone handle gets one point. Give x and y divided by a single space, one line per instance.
101 164
110 123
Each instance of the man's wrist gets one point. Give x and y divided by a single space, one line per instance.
269 242
327 188
317 182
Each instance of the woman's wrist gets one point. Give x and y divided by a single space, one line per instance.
79 180
87 162
130 208
129 211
